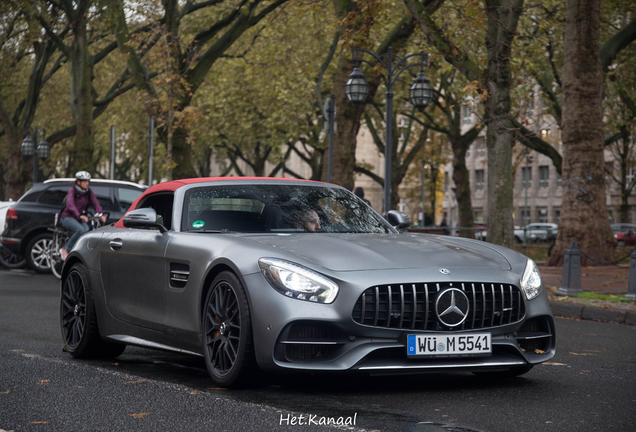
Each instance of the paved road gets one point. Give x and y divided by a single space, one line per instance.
590 386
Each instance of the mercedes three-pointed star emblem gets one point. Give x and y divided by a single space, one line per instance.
452 307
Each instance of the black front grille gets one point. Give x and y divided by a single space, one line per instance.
412 306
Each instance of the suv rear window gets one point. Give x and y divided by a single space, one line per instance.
103 196
54 196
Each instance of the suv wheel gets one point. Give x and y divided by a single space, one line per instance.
38 253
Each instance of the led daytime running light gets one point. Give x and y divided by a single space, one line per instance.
531 280
298 282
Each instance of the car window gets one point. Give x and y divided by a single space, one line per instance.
162 203
31 196
102 192
277 208
126 196
54 195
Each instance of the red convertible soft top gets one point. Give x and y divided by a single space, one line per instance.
173 185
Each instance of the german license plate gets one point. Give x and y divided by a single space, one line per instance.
439 344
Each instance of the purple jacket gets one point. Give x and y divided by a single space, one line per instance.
77 203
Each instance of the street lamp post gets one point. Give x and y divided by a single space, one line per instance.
42 151
420 94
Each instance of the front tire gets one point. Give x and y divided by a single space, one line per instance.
227 333
78 318
38 253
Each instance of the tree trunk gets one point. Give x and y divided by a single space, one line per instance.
502 26
17 175
82 95
584 217
462 189
181 154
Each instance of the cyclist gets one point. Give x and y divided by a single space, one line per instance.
73 217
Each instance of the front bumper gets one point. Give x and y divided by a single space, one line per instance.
291 334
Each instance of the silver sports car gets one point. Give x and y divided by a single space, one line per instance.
291 275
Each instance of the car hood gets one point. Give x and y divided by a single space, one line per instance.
353 252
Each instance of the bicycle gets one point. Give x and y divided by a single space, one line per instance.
61 236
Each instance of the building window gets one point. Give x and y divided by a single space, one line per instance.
525 216
526 177
479 179
445 181
557 215
559 180
466 117
546 134
544 177
478 216
481 146
609 170
543 215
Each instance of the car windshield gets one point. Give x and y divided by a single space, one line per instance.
278 208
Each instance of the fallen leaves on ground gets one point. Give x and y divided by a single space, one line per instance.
196 392
582 354
137 382
39 422
139 415
44 381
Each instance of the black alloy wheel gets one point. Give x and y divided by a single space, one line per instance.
227 328
79 320
10 260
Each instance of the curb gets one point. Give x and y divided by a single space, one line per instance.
592 313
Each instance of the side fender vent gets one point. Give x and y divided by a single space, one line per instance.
179 274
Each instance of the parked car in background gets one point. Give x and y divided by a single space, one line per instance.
290 275
536 232
479 228
26 230
625 234
7 258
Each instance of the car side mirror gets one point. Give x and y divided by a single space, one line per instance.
143 218
398 220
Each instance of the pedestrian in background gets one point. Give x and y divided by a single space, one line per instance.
359 192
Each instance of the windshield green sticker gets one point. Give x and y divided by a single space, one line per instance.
198 224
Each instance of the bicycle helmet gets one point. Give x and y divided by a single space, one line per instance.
82 175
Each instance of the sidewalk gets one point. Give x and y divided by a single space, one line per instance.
609 280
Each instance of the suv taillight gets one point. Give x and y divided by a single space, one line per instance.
11 214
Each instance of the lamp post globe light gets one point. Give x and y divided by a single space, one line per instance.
28 148
420 94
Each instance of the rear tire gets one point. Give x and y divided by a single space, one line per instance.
38 253
78 318
10 260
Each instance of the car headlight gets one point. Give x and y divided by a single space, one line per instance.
298 282
531 280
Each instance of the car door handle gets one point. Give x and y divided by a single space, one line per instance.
116 244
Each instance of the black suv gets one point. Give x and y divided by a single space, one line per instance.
26 230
